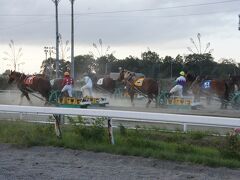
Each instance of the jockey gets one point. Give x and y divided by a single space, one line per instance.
180 83
67 84
88 84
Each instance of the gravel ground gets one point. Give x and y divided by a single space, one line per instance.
59 163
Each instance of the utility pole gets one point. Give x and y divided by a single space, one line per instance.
46 51
239 22
56 2
72 40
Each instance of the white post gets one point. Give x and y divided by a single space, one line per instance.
184 127
21 116
110 131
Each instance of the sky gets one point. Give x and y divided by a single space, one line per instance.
128 27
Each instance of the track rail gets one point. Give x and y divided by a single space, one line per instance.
185 120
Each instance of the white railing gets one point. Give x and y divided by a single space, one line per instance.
129 115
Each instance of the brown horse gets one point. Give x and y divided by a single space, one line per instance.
221 88
106 84
145 86
27 84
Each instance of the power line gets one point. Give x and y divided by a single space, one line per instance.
152 16
125 11
162 8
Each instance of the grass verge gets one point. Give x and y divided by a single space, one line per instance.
194 147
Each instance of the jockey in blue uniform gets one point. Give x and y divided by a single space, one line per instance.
180 83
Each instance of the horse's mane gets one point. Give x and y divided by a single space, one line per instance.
18 73
191 77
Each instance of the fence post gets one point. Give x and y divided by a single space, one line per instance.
110 131
57 125
21 116
184 127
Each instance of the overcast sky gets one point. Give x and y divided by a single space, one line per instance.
129 27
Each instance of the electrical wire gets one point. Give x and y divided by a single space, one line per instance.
126 11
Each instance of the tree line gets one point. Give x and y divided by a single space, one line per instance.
150 64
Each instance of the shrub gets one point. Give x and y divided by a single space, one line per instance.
184 148
230 148
95 131
122 129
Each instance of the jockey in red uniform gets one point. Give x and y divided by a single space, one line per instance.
67 84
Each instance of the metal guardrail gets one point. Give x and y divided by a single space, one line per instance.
129 115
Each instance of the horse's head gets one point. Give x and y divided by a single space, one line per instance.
121 75
190 77
13 76
195 85
125 75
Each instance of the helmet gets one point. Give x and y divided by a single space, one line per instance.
66 74
182 73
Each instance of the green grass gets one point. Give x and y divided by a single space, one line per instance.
194 147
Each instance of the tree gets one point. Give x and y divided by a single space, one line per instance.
84 63
48 67
131 63
226 67
104 64
14 55
200 64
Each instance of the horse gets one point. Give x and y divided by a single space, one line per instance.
56 84
142 85
106 84
27 84
236 81
209 87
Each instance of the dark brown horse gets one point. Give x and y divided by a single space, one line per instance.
106 84
142 85
204 86
27 84
236 81
57 84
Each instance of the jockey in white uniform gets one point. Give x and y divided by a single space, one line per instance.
88 84
180 83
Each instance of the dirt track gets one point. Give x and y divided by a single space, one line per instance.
59 163
124 104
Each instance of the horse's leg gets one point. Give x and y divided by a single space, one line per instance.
131 93
46 95
28 98
21 98
208 100
223 103
46 101
132 97
150 98
156 101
